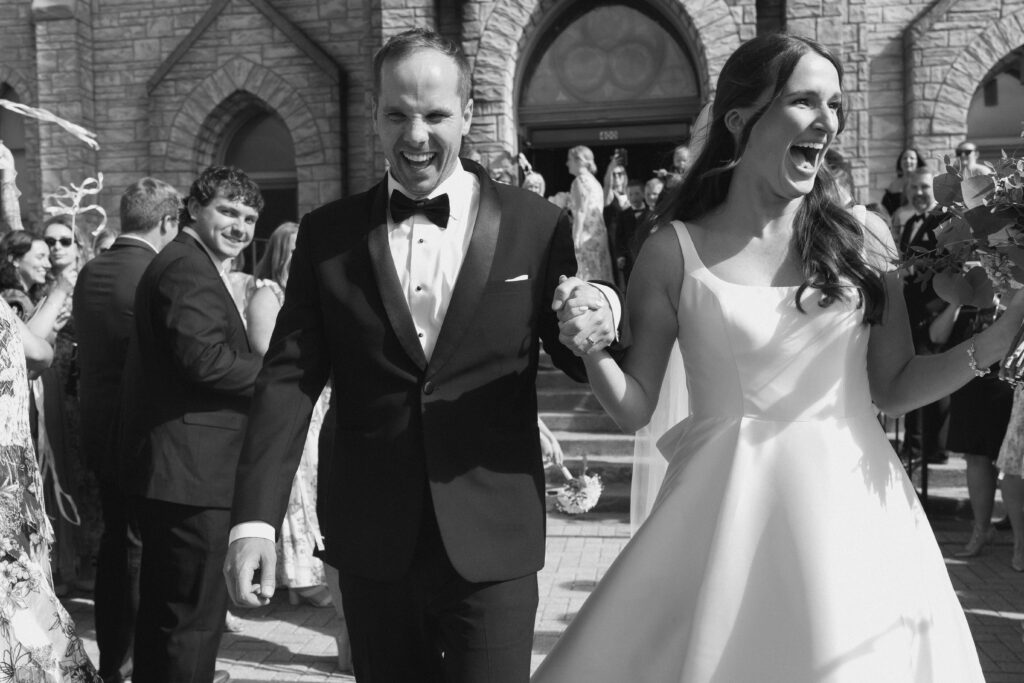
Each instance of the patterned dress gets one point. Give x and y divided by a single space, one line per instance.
37 637
299 536
589 234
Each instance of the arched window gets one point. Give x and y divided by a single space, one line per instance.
12 132
607 75
997 108
258 142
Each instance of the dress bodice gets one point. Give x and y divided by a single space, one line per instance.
750 352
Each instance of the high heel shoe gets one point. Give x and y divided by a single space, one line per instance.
317 596
979 539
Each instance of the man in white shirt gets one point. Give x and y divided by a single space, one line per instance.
424 298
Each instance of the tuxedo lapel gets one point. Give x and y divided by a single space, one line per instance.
476 268
387 278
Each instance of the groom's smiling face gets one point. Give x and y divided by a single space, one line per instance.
421 117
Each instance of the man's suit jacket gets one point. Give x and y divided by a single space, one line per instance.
192 377
104 305
463 425
923 304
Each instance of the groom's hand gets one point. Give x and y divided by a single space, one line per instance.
585 319
249 558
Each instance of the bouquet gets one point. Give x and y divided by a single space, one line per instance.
980 249
580 494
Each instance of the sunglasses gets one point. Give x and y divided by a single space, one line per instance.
64 241
965 152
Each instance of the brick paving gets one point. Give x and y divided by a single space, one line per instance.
282 642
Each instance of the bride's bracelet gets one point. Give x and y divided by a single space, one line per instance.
973 362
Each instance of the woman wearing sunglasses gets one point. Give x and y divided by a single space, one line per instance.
78 527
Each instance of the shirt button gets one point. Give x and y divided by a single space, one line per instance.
418 288
420 241
420 335
428 387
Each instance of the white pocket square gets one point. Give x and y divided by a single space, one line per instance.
518 278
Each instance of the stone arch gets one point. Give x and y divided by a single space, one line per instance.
940 119
973 63
17 80
708 26
200 121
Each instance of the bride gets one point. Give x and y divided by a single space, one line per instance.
786 544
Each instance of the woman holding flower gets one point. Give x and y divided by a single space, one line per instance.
760 558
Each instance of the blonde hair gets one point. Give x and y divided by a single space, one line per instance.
278 255
585 155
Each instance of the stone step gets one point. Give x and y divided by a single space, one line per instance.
595 444
556 380
556 401
579 421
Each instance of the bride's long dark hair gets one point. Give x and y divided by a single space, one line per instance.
829 240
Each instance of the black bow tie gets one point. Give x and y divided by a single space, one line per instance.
435 210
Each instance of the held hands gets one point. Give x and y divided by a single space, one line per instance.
584 319
248 558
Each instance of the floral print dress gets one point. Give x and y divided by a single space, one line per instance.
37 637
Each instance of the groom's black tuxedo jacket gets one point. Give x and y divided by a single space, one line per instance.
463 425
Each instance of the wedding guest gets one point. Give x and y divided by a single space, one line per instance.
615 180
896 199
38 640
79 528
759 560
1010 464
534 182
104 305
680 163
435 517
922 427
587 205
189 380
24 266
632 223
978 415
967 160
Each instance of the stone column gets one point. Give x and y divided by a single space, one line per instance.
64 71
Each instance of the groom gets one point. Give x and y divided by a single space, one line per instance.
423 299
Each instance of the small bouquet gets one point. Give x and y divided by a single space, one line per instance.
981 246
580 494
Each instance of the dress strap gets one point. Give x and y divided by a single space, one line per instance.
691 261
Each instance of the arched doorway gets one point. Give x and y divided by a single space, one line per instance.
12 132
994 117
611 75
258 142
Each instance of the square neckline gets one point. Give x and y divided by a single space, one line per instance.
684 232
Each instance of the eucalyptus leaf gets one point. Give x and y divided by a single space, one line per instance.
946 187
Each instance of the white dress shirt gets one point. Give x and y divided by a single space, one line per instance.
427 260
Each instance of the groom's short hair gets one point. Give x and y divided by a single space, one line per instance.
404 44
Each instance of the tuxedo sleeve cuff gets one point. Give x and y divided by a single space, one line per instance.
613 303
251 530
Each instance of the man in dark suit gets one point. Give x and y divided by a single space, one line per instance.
424 298
104 305
188 401
922 427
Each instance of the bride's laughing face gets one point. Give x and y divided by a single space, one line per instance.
787 145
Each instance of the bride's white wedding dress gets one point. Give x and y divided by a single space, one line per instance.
786 544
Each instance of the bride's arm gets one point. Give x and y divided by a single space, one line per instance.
900 379
630 393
